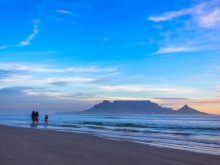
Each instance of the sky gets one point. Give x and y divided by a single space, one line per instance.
67 55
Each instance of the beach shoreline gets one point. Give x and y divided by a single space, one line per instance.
35 146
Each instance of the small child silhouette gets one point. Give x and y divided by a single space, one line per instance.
46 119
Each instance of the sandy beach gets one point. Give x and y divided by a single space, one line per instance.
24 146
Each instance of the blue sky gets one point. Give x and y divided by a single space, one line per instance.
69 55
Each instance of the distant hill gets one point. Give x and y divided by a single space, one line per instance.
137 107
185 110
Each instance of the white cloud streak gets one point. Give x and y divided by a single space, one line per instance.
63 79
21 67
30 37
145 88
173 49
206 15
27 40
168 15
209 19
28 81
63 11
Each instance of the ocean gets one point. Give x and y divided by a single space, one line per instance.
192 133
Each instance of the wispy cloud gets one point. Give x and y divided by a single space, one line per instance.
29 74
138 44
214 69
190 29
147 88
8 74
105 39
30 37
205 14
169 15
55 18
42 99
65 80
3 47
22 67
51 81
173 49
64 11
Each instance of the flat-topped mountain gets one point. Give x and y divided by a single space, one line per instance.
137 107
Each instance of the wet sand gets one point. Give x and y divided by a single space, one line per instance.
24 146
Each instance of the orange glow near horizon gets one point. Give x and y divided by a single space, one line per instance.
211 109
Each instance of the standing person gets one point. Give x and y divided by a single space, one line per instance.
36 116
33 116
46 119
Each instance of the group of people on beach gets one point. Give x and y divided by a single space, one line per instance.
35 117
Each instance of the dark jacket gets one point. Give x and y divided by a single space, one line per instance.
33 115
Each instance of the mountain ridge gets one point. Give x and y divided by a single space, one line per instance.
137 107
187 110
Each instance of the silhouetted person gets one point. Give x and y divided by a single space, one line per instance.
46 119
33 116
36 116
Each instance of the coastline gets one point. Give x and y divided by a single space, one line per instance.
34 146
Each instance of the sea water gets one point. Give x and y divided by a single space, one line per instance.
192 133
